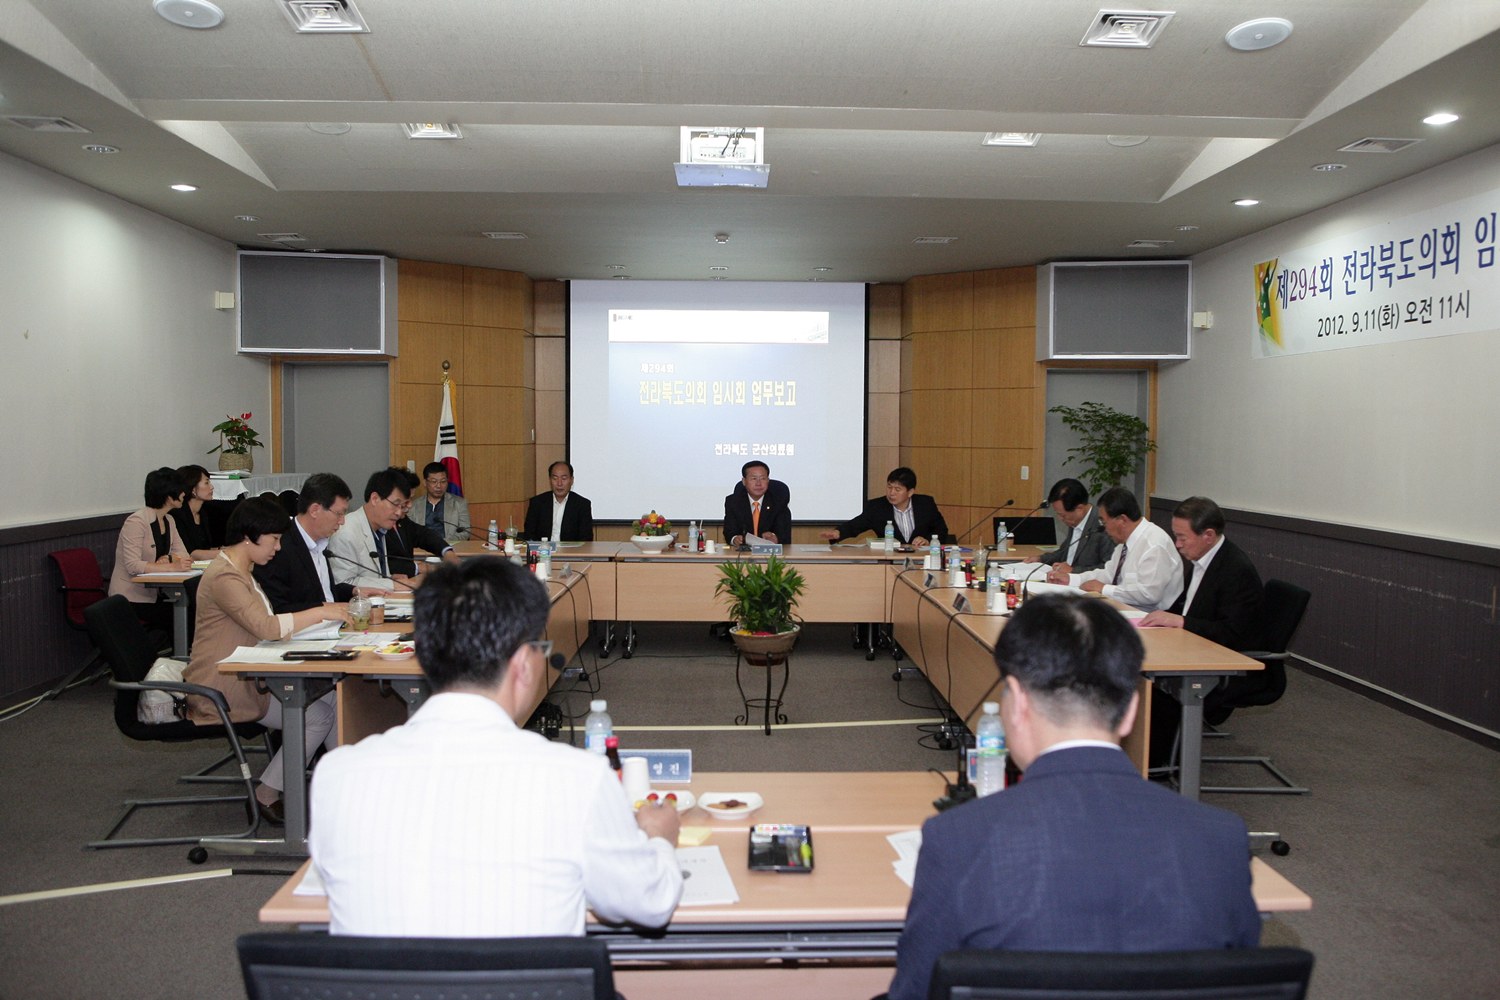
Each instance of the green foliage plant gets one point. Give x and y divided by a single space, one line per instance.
1112 445
762 596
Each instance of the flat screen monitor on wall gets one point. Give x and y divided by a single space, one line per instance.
1138 310
674 385
297 303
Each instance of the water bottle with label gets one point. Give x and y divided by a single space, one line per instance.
692 536
989 740
934 554
492 538
890 537
994 590
598 727
544 560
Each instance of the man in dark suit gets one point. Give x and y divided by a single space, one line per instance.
915 515
298 575
411 536
1083 854
754 508
560 513
1088 546
1221 600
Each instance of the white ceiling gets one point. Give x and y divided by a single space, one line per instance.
873 112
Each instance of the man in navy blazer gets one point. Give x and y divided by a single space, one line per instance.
298 575
576 523
1083 854
915 515
1224 605
773 521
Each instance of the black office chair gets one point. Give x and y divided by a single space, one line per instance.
129 651
1216 974
1281 613
324 967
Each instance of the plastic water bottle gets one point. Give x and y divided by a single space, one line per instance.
492 537
544 561
989 739
934 553
890 537
692 536
598 727
994 590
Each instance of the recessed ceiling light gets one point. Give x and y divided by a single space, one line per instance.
1011 139
1186 229
1125 141
184 187
431 130
314 16
189 13
822 269
1328 168
1441 118
721 238
1246 202
503 236
718 267
95 147
1127 29
1261 33
329 128
247 218
614 267
621 277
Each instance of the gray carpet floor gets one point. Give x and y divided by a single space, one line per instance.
1398 844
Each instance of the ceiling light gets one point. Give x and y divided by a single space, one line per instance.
184 187
622 277
614 267
1261 33
1011 139
315 16
1441 118
190 13
1247 202
822 269
503 236
247 218
1186 229
1127 29
1126 141
1328 168
94 147
721 238
934 240
718 267
329 128
431 130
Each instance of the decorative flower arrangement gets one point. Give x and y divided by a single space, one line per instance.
652 524
236 436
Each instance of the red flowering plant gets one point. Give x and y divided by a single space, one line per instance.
236 436
652 524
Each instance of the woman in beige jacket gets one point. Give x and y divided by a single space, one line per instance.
233 611
149 543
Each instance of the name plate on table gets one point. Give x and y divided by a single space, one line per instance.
961 604
665 765
928 581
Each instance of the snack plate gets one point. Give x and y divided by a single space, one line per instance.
395 657
685 798
749 802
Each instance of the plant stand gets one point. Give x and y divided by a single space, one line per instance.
770 707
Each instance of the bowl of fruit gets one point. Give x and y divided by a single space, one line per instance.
396 651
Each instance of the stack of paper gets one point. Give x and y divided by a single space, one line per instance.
908 843
705 880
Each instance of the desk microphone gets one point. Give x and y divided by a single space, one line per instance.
375 558
986 517
372 569
1028 517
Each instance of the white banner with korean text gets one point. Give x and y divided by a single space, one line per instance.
1430 274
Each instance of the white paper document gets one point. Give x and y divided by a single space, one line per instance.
908 844
705 880
169 574
328 628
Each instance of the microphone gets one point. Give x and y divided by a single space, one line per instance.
961 791
361 566
375 559
1029 515
989 514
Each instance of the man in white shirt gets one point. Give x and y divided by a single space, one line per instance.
461 824
1145 571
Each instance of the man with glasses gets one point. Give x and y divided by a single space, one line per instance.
299 575
441 511
364 549
462 824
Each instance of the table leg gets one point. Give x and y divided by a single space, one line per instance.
413 691
1191 690
179 598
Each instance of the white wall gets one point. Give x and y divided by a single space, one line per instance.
113 360
1403 437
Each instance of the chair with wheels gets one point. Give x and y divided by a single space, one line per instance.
282 966
1281 614
1214 974
129 651
82 585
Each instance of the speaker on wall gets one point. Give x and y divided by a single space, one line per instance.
299 303
1134 310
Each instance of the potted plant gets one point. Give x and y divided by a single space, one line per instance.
236 438
1112 445
652 533
762 597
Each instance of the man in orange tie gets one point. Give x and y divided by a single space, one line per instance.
756 509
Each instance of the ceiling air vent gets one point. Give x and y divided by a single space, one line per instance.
1147 244
44 123
283 237
935 240
1378 145
1127 29
318 16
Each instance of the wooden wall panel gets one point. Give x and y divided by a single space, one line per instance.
940 418
885 419
884 359
495 357
551 363
550 309
1006 298
884 320
942 360
551 423
1005 358
881 461
429 292
497 298
938 302
416 406
424 348
494 415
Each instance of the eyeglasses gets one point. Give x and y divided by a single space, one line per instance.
542 646
398 502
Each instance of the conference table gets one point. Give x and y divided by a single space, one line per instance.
954 646
173 587
365 686
830 932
